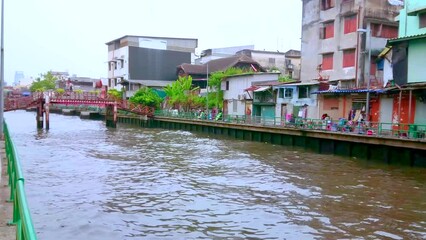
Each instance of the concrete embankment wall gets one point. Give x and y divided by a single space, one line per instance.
390 150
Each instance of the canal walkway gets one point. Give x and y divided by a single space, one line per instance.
7 232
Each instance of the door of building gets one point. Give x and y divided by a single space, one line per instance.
386 112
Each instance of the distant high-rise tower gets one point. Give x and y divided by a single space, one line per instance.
19 75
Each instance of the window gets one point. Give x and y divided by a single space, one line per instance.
227 85
327 31
384 31
304 92
350 24
288 93
122 63
327 61
422 20
349 58
234 106
271 60
281 93
327 4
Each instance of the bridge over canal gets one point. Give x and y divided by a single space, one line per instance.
42 101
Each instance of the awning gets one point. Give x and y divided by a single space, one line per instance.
384 52
262 89
251 88
350 91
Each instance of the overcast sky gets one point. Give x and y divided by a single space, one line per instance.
70 35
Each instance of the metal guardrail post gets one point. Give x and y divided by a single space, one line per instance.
21 214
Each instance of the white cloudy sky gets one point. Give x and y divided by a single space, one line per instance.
70 35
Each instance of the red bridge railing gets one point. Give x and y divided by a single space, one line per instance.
74 98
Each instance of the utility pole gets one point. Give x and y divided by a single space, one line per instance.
2 72
368 70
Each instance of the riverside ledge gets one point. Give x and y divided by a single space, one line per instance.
391 150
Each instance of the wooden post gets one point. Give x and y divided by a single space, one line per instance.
111 115
46 110
40 114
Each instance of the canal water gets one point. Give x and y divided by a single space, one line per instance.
86 181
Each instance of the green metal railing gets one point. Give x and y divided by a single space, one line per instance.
394 130
21 213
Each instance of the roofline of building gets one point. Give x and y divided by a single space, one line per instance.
252 73
406 38
125 36
260 51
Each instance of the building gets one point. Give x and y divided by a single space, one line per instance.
19 76
407 99
60 75
238 91
332 48
269 60
216 53
294 97
287 63
135 61
199 72
292 64
341 40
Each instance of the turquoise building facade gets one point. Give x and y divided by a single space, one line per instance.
409 49
411 17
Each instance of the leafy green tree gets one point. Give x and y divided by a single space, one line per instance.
115 94
46 82
147 97
181 94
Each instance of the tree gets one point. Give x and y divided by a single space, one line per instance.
181 94
115 94
147 97
48 82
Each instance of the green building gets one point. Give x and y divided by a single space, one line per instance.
408 63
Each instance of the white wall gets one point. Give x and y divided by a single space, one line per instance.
237 84
387 72
121 53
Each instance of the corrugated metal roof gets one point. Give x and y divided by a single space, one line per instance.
406 38
261 89
350 91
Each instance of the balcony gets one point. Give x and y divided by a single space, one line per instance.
348 7
379 9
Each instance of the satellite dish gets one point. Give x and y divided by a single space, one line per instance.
396 2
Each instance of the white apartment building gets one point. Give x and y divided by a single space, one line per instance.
135 61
